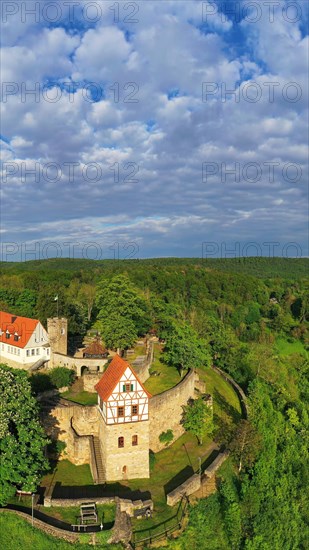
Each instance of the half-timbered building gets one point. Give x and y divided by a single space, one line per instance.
124 422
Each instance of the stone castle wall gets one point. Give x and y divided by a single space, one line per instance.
165 410
90 380
73 425
129 462
76 363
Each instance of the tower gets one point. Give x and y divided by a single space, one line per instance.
57 329
124 422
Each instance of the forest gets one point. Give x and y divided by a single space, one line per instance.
248 316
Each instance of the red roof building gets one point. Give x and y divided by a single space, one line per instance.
22 340
122 396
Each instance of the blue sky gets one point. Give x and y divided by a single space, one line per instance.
133 137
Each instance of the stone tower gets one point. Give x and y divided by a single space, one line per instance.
123 423
57 329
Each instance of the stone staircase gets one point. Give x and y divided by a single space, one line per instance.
98 460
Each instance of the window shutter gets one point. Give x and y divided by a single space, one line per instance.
124 387
131 387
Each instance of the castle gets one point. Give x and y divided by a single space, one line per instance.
116 435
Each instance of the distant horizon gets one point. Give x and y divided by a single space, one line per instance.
122 260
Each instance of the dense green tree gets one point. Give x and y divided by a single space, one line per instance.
22 438
198 419
119 299
119 332
184 350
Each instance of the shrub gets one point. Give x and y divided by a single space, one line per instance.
40 382
61 376
166 437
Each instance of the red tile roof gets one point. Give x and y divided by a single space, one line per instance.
112 376
23 326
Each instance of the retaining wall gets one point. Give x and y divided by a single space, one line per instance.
187 488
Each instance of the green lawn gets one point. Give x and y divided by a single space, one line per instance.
83 397
166 377
226 402
17 534
283 347
69 474
106 513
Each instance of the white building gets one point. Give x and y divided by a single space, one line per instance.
23 341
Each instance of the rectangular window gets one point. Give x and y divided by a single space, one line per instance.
120 412
38 351
120 442
7 335
32 351
16 337
134 440
134 410
28 352
18 352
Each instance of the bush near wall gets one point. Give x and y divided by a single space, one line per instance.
61 377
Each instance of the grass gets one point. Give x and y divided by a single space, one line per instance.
68 474
106 513
69 514
17 534
83 397
138 351
283 347
167 377
225 398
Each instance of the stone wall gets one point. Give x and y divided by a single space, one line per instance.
76 363
187 488
90 380
142 371
166 409
73 425
215 465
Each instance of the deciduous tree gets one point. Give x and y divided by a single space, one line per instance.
22 438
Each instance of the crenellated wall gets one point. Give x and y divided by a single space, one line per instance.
166 409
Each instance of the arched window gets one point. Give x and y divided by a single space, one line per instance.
120 442
134 440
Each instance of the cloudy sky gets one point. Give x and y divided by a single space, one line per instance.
154 128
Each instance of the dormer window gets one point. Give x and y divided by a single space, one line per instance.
16 338
7 335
